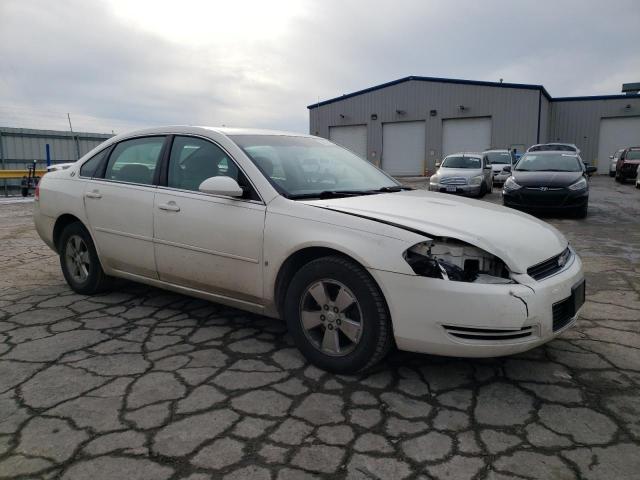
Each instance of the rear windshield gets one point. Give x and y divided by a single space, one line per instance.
461 162
500 158
549 162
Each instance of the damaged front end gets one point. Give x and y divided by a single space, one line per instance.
454 260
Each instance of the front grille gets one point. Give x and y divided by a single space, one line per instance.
469 333
565 310
453 181
549 267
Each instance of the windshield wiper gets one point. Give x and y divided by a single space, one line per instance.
331 194
397 188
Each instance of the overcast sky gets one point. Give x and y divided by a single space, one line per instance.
122 64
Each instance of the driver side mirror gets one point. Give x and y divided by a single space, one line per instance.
438 164
591 170
610 157
506 168
226 186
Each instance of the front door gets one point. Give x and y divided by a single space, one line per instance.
208 242
119 206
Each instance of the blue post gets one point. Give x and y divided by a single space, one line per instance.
48 149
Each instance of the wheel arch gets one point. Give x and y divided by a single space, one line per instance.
301 257
61 223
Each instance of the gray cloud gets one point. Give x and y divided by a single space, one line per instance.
80 57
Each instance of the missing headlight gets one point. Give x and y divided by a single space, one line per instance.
451 259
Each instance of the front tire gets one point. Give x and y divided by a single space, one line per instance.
337 315
612 174
582 212
79 261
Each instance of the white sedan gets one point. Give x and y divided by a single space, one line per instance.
295 227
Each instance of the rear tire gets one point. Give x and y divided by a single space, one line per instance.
332 336
79 261
612 174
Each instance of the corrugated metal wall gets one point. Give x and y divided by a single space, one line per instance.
19 147
578 121
514 113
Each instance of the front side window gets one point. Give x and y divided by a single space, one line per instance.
135 160
461 161
551 162
88 168
304 167
193 160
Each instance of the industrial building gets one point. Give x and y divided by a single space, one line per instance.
20 147
407 125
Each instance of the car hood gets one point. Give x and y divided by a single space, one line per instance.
518 239
458 172
546 179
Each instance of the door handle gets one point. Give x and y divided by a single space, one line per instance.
94 194
169 207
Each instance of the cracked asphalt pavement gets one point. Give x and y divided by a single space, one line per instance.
144 384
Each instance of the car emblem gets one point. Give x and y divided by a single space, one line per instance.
544 189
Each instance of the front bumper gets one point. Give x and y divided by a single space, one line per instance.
501 177
427 312
629 171
470 190
554 200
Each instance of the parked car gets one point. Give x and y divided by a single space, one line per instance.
554 147
353 267
627 164
464 173
498 159
614 161
543 181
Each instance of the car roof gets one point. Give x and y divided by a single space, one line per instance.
554 152
467 154
196 129
497 150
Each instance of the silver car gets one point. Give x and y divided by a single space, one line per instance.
464 173
499 158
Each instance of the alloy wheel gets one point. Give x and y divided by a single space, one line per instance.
77 258
331 317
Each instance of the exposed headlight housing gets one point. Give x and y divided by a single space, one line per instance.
579 185
451 259
476 180
510 185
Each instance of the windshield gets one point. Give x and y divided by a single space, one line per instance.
560 162
633 155
456 161
500 158
552 147
302 167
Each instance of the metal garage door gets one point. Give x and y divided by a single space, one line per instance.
353 137
466 135
403 148
616 133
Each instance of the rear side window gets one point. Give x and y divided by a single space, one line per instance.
135 160
88 168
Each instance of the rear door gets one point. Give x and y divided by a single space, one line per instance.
208 242
119 205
